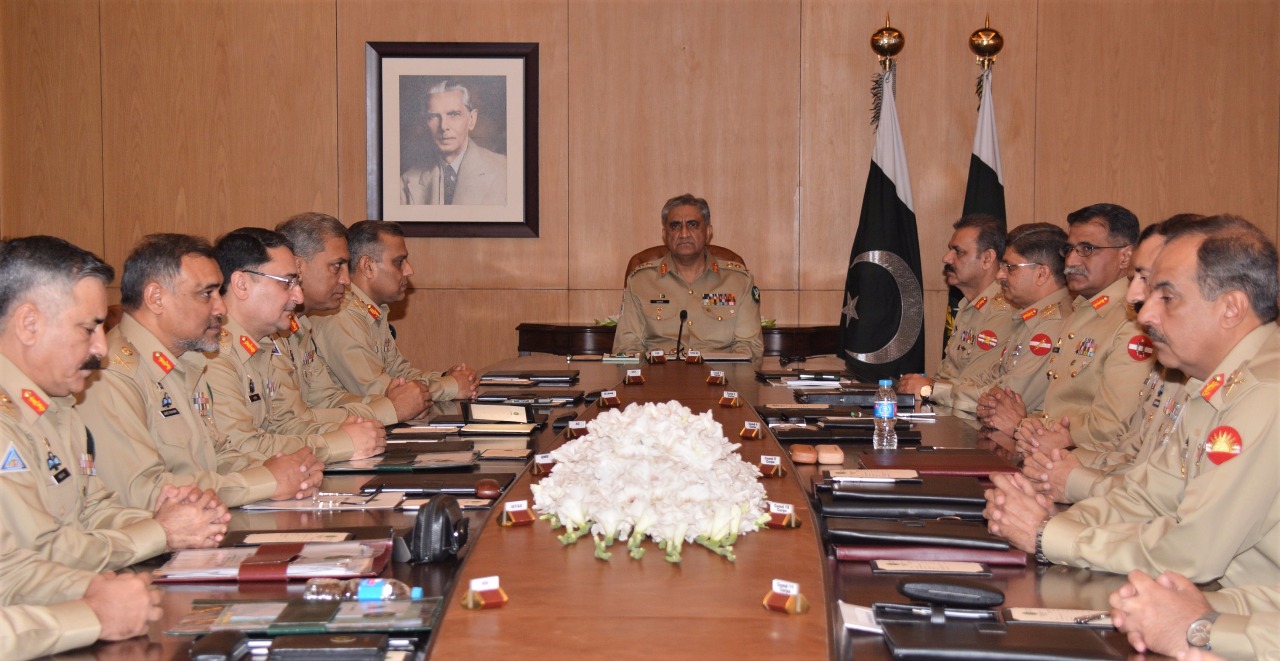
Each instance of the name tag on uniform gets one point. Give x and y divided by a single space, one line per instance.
660 301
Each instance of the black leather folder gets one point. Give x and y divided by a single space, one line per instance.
813 434
931 489
964 534
860 508
995 641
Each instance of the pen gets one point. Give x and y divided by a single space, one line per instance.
1093 617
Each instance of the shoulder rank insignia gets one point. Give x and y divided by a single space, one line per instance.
162 361
980 303
1222 444
1100 301
374 311
1141 348
293 324
1040 344
6 404
1029 313
1050 309
12 462
33 400
248 344
126 351
1234 380
1210 387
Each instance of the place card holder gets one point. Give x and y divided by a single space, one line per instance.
516 513
484 593
542 464
781 516
771 466
693 357
609 399
269 563
577 428
656 357
730 399
634 378
751 430
716 378
785 597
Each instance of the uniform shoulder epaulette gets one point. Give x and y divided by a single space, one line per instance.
1000 302
122 357
735 266
7 409
644 266
224 340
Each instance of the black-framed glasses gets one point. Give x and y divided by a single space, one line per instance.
1007 266
289 283
1085 249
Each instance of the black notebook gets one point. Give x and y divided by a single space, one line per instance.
455 483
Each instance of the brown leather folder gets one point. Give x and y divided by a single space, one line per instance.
867 552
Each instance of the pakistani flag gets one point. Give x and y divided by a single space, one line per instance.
883 315
985 191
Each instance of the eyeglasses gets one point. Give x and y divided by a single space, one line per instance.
1085 249
1006 266
289 283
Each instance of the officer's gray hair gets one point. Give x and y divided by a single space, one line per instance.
157 258
686 200
34 262
1235 255
365 239
308 232
446 86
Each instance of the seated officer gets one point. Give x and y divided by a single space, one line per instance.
1171 616
261 288
1207 503
1031 281
53 299
320 243
984 318
357 340
150 407
720 299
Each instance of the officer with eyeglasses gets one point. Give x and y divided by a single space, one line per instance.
1098 363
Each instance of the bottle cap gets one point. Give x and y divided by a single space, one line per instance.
415 593
886 382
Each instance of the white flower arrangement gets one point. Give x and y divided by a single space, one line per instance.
657 470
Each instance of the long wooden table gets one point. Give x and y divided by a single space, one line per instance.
567 604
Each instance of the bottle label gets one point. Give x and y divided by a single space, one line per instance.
887 409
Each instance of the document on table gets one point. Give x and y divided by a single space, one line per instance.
333 502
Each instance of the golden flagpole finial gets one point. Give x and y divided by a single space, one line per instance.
887 42
986 43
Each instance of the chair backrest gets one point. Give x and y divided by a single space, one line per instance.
656 252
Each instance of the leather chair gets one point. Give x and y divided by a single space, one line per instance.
656 252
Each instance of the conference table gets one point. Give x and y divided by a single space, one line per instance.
566 603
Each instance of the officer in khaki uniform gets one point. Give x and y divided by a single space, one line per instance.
1030 278
356 340
315 384
151 409
1207 503
720 298
261 291
984 319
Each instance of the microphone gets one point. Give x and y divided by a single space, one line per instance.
684 314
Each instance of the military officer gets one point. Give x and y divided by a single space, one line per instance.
320 243
261 288
1207 502
151 409
985 317
1170 615
1030 278
53 300
720 301
1101 358
357 341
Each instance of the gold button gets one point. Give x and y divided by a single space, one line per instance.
659 317
719 318
691 292
1071 336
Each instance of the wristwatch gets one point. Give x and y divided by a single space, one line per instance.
1198 632
1041 558
926 390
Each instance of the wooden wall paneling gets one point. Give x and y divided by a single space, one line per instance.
1137 106
467 263
438 328
781 305
50 131
587 305
216 115
673 97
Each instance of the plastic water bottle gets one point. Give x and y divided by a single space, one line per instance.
886 414
359 589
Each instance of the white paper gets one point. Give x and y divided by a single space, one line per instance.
859 618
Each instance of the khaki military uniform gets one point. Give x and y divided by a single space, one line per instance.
316 385
1162 399
54 504
152 418
252 408
356 342
1249 624
1207 504
29 629
1021 361
723 307
1097 364
982 329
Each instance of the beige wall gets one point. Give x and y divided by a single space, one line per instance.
122 118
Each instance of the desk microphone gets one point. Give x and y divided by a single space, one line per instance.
684 314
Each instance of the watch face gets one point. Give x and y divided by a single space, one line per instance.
926 390
1198 633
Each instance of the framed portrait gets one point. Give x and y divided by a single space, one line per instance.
452 133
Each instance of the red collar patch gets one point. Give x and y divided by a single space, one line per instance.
1028 314
1222 444
1141 348
1211 386
1100 301
162 361
977 305
662 270
248 344
293 324
374 311
33 400
987 340
715 267
1040 344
